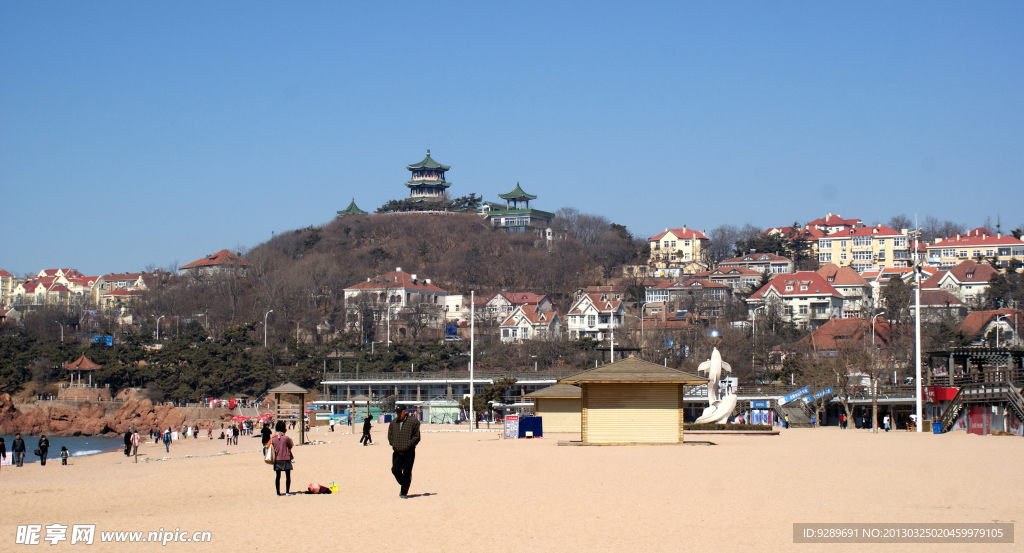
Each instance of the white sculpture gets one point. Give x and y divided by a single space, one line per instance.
719 409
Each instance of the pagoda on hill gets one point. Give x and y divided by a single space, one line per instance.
516 215
352 209
427 181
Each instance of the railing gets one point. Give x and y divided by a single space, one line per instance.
545 374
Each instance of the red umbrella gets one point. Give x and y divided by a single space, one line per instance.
239 418
266 416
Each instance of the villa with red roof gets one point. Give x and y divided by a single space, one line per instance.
679 251
594 315
832 223
978 245
737 278
501 304
760 262
968 281
702 297
528 322
804 298
223 262
394 296
852 286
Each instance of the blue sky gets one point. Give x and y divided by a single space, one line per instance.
149 133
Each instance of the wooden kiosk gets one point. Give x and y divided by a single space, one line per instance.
289 413
632 402
559 407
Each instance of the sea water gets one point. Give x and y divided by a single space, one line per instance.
78 446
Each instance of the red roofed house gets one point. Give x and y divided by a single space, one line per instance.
737 278
836 334
997 324
395 296
594 315
760 262
968 281
223 262
804 298
701 297
856 291
680 251
978 245
9 316
866 248
529 322
501 304
834 223
940 305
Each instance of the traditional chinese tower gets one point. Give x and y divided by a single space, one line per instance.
427 181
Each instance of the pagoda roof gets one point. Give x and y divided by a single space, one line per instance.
82 364
529 211
634 371
352 209
517 194
288 388
428 163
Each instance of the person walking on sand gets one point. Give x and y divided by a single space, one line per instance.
136 440
265 436
64 455
167 440
3 451
44 447
283 458
18 447
403 435
365 440
886 423
127 444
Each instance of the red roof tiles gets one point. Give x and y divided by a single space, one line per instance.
223 257
682 233
802 283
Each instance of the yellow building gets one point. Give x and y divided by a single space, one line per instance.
559 408
977 245
632 401
866 248
679 251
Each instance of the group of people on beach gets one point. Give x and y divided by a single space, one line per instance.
403 436
42 450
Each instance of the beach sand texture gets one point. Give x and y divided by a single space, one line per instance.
493 495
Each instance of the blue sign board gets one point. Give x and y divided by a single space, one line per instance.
451 330
104 340
759 405
795 395
822 393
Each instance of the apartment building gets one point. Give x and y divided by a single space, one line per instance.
702 297
856 291
866 248
737 278
760 262
968 281
978 244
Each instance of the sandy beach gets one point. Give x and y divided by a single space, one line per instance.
476 492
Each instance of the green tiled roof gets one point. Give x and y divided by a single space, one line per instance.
428 183
521 212
352 209
427 163
517 194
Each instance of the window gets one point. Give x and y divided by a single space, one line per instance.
881 243
604 319
672 257
863 255
526 332
861 241
803 309
591 320
842 244
824 244
842 257
820 310
1018 251
975 253
989 253
666 244
686 243
788 310
803 287
673 243
686 256
825 257
962 254
899 242
789 287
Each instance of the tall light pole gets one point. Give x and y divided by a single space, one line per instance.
265 327
917 329
873 331
61 330
472 336
158 327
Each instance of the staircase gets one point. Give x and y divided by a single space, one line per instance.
983 393
797 412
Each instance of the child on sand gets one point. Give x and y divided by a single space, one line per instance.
64 455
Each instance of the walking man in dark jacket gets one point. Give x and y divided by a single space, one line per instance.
18 447
365 440
403 435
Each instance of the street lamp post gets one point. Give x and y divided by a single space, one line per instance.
265 327
472 338
158 327
873 331
61 330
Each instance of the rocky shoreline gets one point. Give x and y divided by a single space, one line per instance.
87 418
